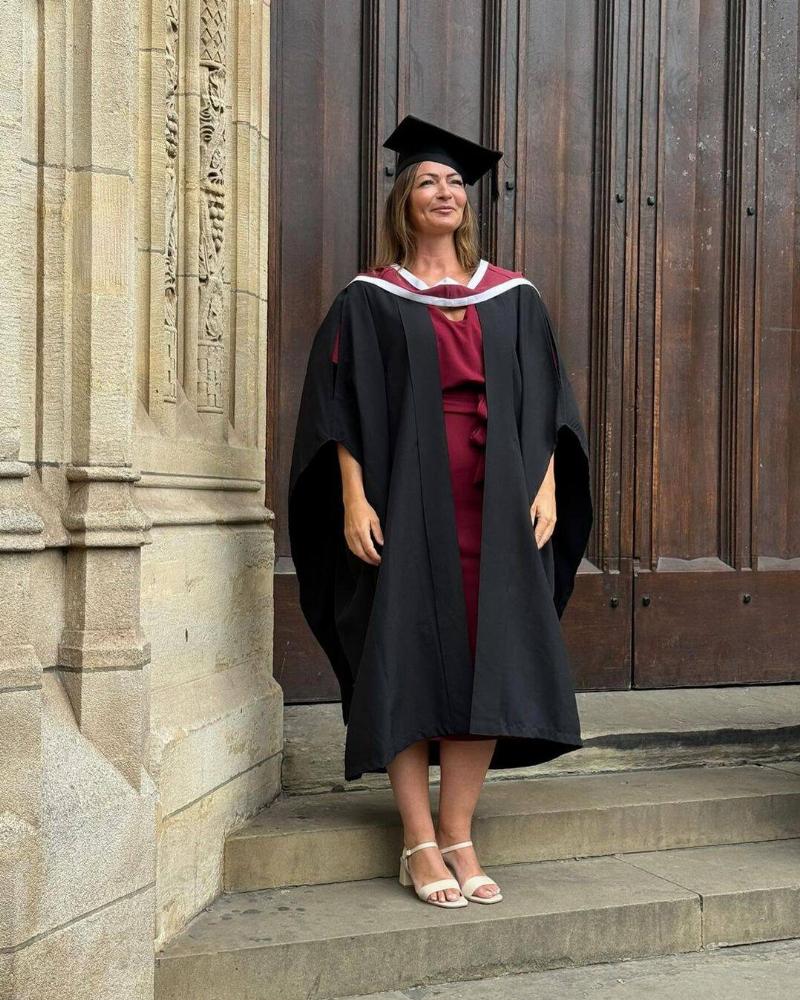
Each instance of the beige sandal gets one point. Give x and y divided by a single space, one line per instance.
474 881
425 890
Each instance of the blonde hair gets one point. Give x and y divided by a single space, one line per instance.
397 243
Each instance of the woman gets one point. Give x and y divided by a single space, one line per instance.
437 437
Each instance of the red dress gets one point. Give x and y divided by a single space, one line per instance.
460 347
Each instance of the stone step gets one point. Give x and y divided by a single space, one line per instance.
742 972
622 730
335 837
346 938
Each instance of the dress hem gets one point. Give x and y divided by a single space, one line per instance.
565 742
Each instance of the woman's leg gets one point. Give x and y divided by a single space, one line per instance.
408 773
463 764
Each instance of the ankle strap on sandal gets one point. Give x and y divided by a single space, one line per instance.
427 843
454 847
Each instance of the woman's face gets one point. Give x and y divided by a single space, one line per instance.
436 203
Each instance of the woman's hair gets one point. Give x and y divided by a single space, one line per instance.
397 242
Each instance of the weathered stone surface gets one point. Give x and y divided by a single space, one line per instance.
98 832
107 760
191 844
747 971
750 892
20 880
20 736
787 765
336 836
363 936
223 725
355 937
107 953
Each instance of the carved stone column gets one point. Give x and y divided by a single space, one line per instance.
103 653
171 57
213 312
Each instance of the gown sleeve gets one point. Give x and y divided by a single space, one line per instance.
337 403
550 422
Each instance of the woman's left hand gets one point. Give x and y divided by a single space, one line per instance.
543 508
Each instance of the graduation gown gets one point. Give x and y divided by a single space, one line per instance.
396 634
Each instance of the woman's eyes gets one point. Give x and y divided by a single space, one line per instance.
455 181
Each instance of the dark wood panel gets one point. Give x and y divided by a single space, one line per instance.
776 533
597 628
703 628
570 127
316 207
298 664
683 424
444 74
714 384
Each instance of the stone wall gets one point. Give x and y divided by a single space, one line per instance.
139 720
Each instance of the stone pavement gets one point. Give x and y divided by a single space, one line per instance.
742 973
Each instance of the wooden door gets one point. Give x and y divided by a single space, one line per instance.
717 467
648 189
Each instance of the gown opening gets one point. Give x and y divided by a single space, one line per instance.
460 350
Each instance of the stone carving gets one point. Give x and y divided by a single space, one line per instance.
171 205
211 353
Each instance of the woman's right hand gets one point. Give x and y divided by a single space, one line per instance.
360 524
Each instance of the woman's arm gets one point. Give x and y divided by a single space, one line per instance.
543 508
360 519
352 475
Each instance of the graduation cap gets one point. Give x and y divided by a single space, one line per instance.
415 140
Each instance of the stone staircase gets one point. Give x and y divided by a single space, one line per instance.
594 867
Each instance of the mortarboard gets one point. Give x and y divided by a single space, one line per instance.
415 140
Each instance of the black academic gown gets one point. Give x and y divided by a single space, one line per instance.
396 634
